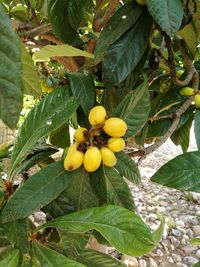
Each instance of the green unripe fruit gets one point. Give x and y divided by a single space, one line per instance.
97 115
164 88
116 144
141 2
187 91
108 157
179 73
92 159
115 127
79 135
197 101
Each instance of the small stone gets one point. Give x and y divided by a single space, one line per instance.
188 250
190 233
164 234
176 258
142 263
159 252
152 217
129 261
198 254
190 261
196 197
180 224
174 241
183 231
176 232
196 230
183 242
198 213
181 265
172 247
169 259
163 203
152 263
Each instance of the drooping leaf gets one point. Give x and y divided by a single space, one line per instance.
195 241
181 173
127 167
167 14
83 89
134 109
12 260
197 127
17 234
30 77
39 190
92 258
59 51
124 55
116 191
55 109
126 17
122 228
197 264
58 14
79 191
48 257
60 137
182 135
11 86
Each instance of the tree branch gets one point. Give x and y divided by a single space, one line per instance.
177 115
171 130
42 29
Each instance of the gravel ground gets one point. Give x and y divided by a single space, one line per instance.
181 210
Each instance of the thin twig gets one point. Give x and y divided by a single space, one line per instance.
42 29
168 116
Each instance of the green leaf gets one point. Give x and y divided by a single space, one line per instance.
92 258
126 17
134 109
35 158
59 51
122 228
197 264
167 14
127 167
39 190
71 244
79 191
58 14
197 127
124 55
76 10
182 135
116 191
60 137
83 89
181 173
157 235
195 241
11 86
50 258
12 260
17 234
55 109
30 77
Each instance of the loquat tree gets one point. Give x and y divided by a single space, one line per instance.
124 77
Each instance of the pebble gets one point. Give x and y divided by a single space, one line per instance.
181 265
174 241
169 259
196 230
176 258
190 233
180 224
152 263
198 253
190 261
188 250
176 232
142 263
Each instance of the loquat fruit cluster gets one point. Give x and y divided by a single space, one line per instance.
97 144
